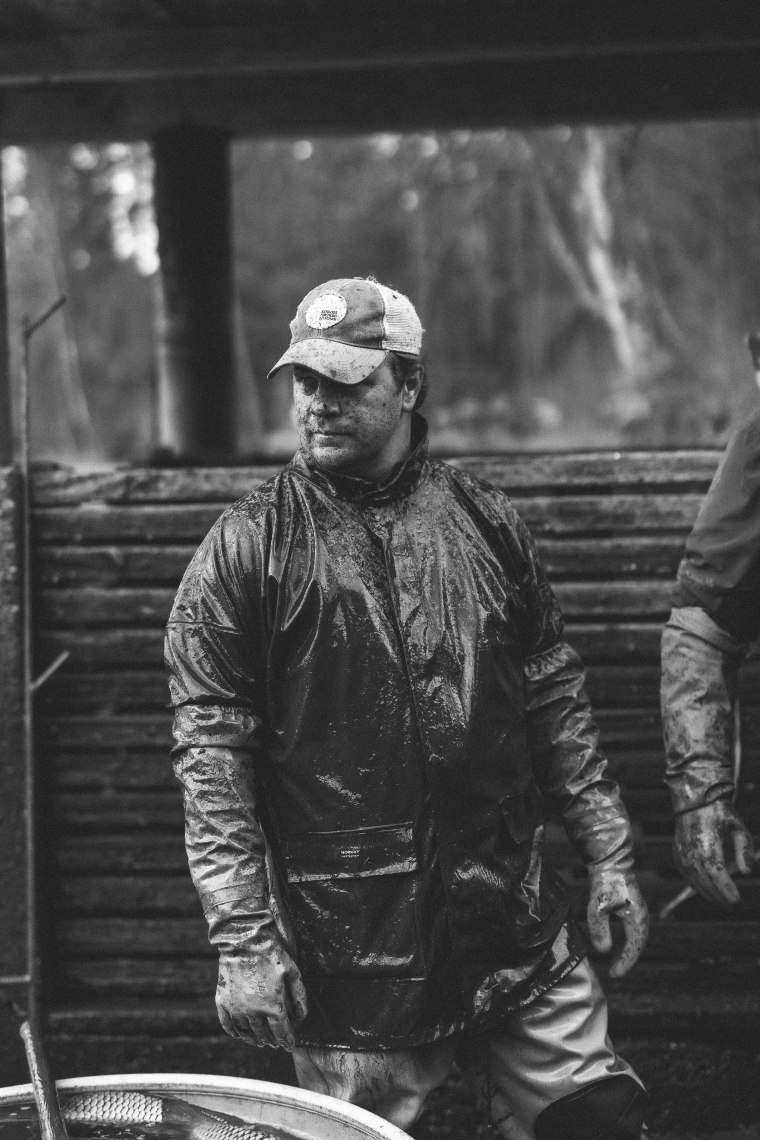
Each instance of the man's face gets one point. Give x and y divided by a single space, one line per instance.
356 429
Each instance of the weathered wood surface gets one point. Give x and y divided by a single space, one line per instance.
122 566
14 817
110 549
546 516
146 605
50 43
566 472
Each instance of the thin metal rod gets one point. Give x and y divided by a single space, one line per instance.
28 329
52 1126
52 668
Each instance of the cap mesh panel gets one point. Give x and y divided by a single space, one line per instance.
403 331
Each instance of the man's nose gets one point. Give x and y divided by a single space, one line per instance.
326 399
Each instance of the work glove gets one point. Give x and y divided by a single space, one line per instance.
573 775
700 664
613 891
260 996
699 845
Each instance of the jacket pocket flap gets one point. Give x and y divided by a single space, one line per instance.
356 854
523 812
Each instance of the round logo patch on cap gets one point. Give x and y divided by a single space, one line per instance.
327 310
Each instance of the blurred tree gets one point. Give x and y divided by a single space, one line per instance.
579 287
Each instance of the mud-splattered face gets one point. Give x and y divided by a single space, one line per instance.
354 429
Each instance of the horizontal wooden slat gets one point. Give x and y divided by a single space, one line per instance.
164 808
119 854
697 988
157 853
671 941
131 978
96 814
165 896
147 895
112 733
121 691
67 486
614 469
98 523
102 523
92 606
116 565
624 556
127 690
140 731
110 772
137 813
143 648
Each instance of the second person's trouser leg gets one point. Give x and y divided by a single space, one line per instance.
551 1072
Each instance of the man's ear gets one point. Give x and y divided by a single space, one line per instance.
410 391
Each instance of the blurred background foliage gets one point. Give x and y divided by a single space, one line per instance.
578 287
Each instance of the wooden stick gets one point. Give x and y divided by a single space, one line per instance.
52 1126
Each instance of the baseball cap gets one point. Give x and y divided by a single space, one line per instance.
345 328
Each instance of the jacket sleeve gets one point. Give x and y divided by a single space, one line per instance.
720 568
568 763
716 613
212 652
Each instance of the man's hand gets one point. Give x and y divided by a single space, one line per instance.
617 892
260 997
699 850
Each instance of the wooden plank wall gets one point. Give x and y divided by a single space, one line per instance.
15 885
126 932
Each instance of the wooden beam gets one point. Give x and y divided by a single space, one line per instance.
520 94
196 412
326 38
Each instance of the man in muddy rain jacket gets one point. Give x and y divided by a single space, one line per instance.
374 710
715 618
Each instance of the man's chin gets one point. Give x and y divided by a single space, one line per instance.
334 454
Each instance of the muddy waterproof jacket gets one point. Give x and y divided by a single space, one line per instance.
715 618
374 677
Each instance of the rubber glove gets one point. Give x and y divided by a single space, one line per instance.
260 995
613 891
573 775
699 846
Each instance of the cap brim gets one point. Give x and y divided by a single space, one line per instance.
331 358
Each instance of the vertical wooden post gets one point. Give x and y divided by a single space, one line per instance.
16 887
196 392
6 401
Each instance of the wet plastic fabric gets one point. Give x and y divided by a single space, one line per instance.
544 1056
720 569
700 663
375 679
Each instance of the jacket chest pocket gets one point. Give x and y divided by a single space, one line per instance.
352 897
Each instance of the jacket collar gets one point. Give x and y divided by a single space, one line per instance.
402 482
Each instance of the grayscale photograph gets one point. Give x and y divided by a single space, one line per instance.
379 609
